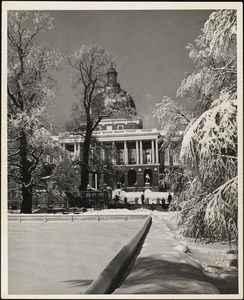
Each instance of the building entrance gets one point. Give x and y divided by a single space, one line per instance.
131 178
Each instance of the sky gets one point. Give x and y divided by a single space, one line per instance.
150 47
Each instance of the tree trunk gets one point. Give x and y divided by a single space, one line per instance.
85 161
84 178
26 207
26 176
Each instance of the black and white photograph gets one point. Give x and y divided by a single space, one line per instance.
122 150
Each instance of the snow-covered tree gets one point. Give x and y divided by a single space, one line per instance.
209 148
30 90
89 65
65 179
215 58
173 119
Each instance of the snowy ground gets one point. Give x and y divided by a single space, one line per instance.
62 257
213 257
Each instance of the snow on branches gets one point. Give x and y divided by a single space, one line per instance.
30 89
221 211
171 114
173 119
209 146
215 57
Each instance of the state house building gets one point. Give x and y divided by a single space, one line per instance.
135 148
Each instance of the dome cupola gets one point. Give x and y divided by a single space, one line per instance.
115 97
112 78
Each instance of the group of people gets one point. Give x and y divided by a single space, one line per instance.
166 203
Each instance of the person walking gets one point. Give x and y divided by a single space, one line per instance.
142 198
169 198
163 203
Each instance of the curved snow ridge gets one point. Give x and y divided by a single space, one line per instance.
111 276
165 266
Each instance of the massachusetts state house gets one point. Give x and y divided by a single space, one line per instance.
126 143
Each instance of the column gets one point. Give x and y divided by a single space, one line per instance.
74 149
153 152
156 141
125 153
101 181
141 154
113 152
96 187
102 152
78 151
137 153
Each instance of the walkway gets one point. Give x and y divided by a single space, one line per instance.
163 267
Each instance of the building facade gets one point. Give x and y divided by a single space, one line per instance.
121 141
124 142
136 150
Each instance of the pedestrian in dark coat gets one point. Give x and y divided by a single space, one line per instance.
142 198
163 203
169 198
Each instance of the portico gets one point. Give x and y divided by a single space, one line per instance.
137 151
132 149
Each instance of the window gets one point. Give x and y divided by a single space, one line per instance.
120 127
50 159
109 127
131 178
132 156
148 156
120 158
98 128
70 147
175 158
107 155
166 157
92 153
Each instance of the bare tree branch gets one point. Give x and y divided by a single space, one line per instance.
14 154
13 99
14 140
36 157
14 165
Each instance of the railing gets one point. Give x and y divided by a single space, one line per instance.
123 131
72 217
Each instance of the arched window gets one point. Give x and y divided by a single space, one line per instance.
131 178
